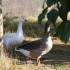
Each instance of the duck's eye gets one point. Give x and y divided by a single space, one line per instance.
23 18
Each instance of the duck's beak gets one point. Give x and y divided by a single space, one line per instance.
26 20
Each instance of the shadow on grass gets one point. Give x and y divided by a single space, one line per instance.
59 54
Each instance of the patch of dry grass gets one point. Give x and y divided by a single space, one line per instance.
57 59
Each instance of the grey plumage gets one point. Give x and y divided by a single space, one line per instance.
33 45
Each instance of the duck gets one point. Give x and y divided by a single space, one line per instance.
36 49
16 38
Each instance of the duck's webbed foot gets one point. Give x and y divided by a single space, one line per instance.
38 62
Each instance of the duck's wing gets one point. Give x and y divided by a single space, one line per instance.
32 45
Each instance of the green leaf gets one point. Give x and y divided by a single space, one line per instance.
68 4
63 31
42 15
52 15
63 12
63 2
44 4
51 2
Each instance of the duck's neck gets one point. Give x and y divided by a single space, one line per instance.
49 38
46 31
19 30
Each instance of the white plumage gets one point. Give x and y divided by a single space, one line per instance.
23 51
16 38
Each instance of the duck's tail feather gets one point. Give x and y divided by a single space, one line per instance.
23 51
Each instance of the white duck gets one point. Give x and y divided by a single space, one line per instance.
36 49
16 38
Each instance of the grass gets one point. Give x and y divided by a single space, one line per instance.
57 59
